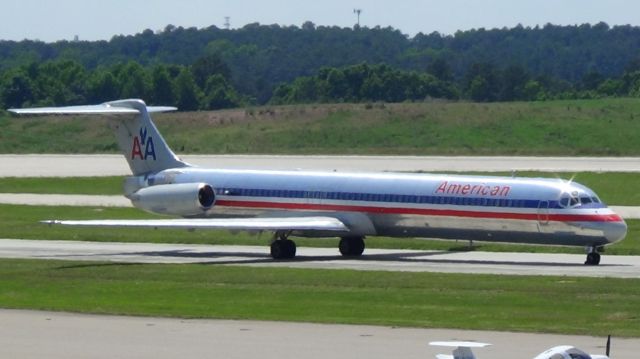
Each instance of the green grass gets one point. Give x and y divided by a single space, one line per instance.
63 185
580 127
17 221
621 189
593 306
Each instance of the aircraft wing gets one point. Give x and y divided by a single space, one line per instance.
248 224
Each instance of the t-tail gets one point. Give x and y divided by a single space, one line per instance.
138 138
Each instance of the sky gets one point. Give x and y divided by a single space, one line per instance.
52 20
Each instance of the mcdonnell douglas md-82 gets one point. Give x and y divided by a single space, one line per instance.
350 206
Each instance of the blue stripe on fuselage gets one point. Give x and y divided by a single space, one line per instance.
394 198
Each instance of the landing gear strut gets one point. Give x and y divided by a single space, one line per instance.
282 247
593 257
351 246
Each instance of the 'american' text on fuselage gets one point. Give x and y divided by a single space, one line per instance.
472 189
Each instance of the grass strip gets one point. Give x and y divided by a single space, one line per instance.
570 127
593 306
19 221
108 185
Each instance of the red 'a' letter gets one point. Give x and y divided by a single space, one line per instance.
136 150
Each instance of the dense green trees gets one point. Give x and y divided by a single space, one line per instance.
66 82
257 64
364 83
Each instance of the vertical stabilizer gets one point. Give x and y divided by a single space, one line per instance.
138 138
140 141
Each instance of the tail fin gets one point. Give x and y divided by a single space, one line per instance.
140 141
138 138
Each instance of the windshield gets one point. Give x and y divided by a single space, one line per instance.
575 199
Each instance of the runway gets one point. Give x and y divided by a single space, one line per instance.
49 165
327 258
35 334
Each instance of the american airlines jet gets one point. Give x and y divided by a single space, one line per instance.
346 205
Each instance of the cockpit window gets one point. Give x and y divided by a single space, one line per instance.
578 356
568 200
564 202
595 199
585 200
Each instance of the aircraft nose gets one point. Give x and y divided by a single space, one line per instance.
615 231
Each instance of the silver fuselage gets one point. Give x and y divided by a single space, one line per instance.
479 208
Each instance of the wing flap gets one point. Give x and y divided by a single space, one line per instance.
249 224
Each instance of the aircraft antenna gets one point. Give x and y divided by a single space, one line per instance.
358 12
227 23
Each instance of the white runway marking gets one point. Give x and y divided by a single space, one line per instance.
327 258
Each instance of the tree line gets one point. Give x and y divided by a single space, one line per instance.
207 85
201 86
215 68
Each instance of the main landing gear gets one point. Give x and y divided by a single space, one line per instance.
284 248
351 246
593 257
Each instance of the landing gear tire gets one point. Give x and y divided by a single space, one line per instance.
283 249
351 246
593 259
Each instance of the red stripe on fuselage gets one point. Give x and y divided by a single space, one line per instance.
423 211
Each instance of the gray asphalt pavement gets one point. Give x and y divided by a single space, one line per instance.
327 258
115 165
33 334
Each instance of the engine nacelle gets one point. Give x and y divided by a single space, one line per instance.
183 199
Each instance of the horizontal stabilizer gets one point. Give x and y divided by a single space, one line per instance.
103 109
248 224
138 138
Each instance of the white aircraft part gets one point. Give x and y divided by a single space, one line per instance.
138 138
103 109
462 349
249 224
567 352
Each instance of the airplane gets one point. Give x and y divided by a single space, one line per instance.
350 206
463 351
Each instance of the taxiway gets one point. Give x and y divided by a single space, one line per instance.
49 165
35 334
327 258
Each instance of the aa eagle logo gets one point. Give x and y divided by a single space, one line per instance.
140 142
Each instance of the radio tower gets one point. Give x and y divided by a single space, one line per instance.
358 12
227 24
